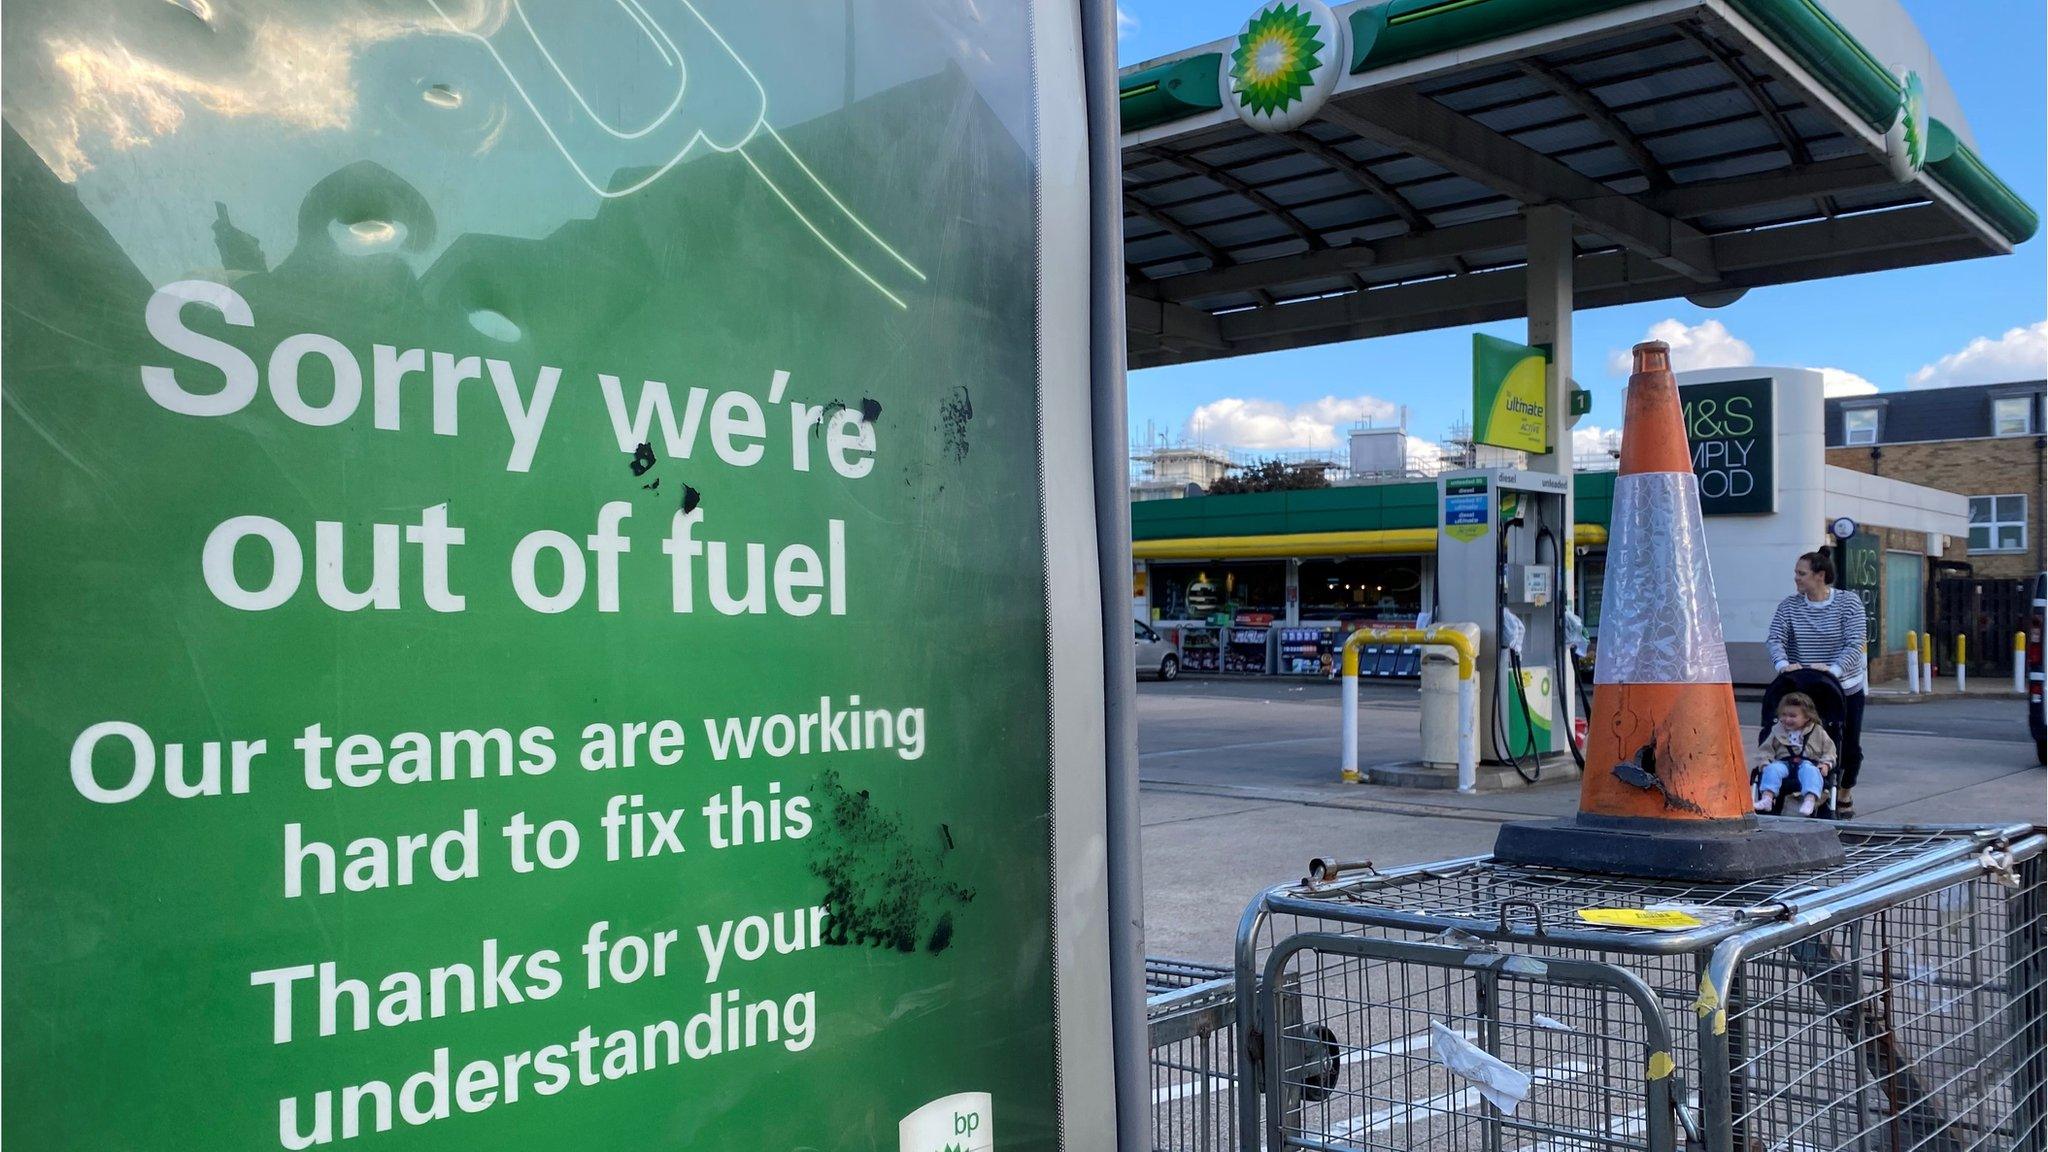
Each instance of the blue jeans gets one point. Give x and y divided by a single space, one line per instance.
1775 772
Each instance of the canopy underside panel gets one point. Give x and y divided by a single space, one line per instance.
1693 161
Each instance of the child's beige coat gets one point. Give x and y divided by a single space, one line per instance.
1819 748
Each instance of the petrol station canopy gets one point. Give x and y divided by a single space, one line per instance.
1700 147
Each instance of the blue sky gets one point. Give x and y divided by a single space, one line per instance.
1969 322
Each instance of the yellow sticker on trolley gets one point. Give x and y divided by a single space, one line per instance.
1666 920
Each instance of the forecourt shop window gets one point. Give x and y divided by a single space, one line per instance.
1372 588
1185 591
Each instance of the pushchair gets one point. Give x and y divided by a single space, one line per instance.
1833 705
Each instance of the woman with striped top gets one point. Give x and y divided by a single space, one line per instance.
1821 626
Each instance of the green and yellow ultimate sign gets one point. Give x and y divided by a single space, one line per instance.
1285 64
1509 395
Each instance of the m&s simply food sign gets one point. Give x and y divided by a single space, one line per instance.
1730 429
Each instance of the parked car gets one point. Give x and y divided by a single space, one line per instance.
1156 655
2037 710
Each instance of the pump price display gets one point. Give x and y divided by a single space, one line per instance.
1731 431
489 529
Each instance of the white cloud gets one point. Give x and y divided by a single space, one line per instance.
1269 424
1842 382
1593 440
1125 22
2020 354
1424 457
1707 344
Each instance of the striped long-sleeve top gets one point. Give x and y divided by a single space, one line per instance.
1823 633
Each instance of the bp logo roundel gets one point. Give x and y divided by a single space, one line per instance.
1285 64
1906 143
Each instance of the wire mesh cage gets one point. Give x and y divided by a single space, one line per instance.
1163 975
1191 1012
1894 1003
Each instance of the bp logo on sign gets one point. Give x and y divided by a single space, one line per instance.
957 1123
1531 714
1509 395
1905 145
1285 64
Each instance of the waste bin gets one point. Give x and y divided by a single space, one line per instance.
1439 706
1440 699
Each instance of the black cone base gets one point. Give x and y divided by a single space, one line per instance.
1712 851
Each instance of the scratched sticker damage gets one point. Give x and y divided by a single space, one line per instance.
884 890
644 460
954 413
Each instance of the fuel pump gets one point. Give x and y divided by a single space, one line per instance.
1501 565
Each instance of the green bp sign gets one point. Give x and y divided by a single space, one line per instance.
1907 142
502 552
1285 62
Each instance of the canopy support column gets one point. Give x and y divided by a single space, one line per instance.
1550 325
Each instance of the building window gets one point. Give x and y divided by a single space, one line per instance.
2012 416
1220 588
1859 425
1386 590
1998 523
1903 599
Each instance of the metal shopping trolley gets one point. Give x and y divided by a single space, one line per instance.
1893 1002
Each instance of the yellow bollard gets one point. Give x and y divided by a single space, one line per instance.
1927 656
1962 662
1913 663
1348 771
2019 663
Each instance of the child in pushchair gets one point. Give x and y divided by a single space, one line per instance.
1803 715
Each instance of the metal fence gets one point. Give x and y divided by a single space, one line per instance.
1892 1004
1986 613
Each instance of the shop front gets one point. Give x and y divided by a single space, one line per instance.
1297 572
1272 583
1277 616
1769 494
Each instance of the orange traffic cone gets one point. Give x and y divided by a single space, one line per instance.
1666 787
1662 698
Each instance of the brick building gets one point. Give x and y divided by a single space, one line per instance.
1982 441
